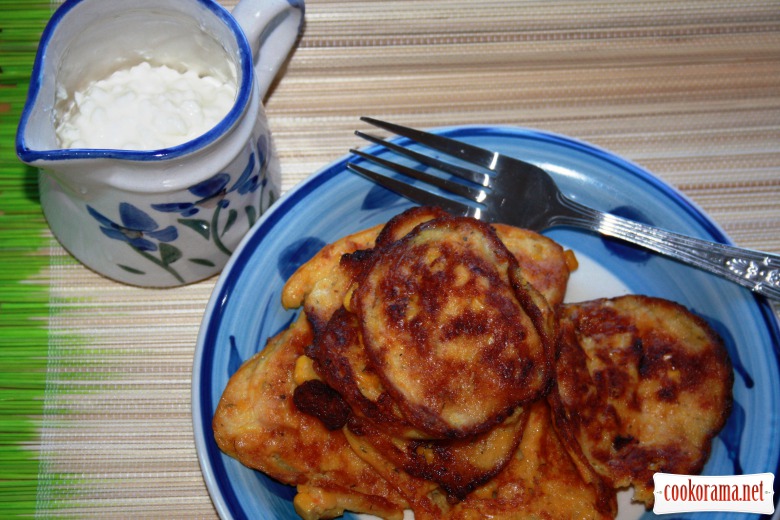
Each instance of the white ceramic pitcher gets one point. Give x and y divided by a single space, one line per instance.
158 218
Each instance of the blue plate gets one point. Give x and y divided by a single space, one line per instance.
245 310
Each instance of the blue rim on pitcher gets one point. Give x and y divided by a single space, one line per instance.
243 95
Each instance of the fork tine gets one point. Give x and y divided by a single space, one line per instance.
456 188
482 179
467 152
415 194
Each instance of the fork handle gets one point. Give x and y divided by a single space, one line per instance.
756 270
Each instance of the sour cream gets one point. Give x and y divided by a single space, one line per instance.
144 107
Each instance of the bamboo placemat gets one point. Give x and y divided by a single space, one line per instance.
95 376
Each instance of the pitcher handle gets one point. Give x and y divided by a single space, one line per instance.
272 28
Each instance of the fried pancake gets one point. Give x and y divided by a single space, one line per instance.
340 357
402 224
459 465
456 465
643 386
257 423
342 363
543 262
447 328
320 284
540 482
425 498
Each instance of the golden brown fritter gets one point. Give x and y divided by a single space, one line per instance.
426 498
342 362
257 423
457 466
540 482
643 385
444 326
320 284
402 224
543 262
338 349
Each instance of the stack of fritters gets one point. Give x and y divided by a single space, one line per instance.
424 368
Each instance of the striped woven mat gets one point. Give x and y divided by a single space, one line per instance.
95 376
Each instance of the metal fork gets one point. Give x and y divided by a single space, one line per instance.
522 194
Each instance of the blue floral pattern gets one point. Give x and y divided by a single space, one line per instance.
136 229
141 231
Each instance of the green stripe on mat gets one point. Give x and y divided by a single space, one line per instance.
24 303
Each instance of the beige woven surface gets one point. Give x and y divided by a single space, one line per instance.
689 90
